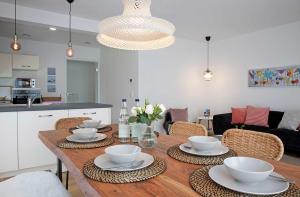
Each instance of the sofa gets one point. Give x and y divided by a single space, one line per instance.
290 138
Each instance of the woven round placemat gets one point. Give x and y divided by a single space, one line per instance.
73 145
93 172
178 154
202 183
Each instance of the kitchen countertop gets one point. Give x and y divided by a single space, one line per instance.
54 106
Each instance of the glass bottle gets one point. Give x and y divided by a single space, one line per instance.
124 129
137 102
135 127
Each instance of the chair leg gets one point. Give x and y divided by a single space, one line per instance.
67 180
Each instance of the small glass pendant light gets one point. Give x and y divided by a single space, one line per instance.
208 75
15 43
70 51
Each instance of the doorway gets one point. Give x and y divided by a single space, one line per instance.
82 81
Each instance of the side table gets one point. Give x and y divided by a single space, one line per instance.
209 120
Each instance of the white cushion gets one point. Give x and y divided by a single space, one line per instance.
290 120
33 184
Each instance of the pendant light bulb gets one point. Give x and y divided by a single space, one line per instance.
208 75
15 44
69 50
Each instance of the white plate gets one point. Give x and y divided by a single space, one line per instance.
101 126
102 161
217 150
270 186
74 138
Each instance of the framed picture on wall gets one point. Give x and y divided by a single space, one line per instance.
274 77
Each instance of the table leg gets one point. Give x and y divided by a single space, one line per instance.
59 169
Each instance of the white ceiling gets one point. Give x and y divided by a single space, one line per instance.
193 19
37 32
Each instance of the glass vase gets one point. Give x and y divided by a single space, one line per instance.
147 139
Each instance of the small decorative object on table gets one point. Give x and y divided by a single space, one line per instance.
145 116
206 113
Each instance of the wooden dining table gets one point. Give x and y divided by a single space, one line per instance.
173 182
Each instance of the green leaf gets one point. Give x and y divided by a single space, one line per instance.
132 119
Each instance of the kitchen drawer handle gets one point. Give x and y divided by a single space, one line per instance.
92 113
45 116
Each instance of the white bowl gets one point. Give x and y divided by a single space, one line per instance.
85 133
203 142
123 153
91 123
247 169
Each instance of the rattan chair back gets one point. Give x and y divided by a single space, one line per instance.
187 129
253 144
68 123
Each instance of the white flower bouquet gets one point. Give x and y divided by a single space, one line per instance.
147 113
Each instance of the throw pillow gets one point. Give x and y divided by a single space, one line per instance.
257 116
290 120
238 115
179 114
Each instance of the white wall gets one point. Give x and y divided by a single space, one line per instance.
116 68
51 55
173 76
232 58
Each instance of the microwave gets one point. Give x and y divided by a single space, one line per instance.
25 83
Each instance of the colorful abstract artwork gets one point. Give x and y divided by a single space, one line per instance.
274 77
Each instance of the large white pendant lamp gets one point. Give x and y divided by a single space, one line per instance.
136 29
15 44
207 75
69 50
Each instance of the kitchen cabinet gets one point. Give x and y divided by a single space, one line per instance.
8 142
25 62
32 152
5 65
103 114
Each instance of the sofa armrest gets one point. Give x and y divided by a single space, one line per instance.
221 122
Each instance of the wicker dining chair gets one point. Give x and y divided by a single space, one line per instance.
253 144
68 123
188 129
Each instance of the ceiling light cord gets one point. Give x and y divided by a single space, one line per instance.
15 17
70 23
207 55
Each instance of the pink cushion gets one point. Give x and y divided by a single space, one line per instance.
179 114
238 115
257 116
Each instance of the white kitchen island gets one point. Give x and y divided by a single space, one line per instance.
20 148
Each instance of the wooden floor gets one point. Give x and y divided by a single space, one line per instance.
73 189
